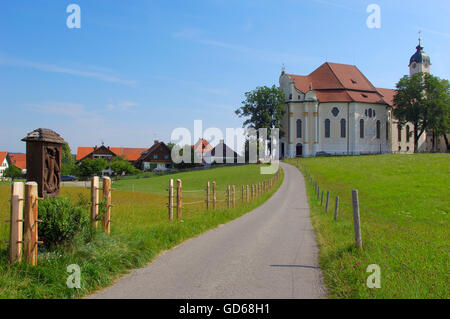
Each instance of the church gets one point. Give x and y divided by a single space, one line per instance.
336 110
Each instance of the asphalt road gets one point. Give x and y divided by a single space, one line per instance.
270 252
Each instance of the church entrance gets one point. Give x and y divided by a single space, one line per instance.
299 150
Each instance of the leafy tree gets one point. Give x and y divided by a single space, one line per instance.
91 167
121 166
423 100
67 161
13 172
263 108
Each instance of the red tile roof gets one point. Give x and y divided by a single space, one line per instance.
388 95
18 160
129 153
202 146
2 156
333 82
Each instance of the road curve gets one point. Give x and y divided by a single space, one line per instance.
270 253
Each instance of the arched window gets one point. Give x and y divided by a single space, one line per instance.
343 128
370 112
387 131
399 133
361 128
378 129
299 128
407 133
327 128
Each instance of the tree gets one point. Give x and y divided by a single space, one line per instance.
121 166
422 100
263 108
91 167
13 172
67 161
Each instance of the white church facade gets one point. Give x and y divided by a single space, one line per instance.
336 110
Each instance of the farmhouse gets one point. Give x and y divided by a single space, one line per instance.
221 153
201 149
337 110
3 163
156 157
18 160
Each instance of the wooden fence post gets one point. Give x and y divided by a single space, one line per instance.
228 196
16 228
207 196
356 218
243 194
234 196
247 193
214 195
328 200
171 199
318 192
179 200
336 208
30 236
107 197
321 200
94 200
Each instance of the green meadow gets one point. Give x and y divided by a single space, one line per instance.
404 206
140 230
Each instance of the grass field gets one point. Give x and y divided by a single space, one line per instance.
404 203
140 231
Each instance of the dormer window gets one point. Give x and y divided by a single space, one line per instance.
364 95
353 81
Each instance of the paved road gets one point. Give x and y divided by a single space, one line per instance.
270 252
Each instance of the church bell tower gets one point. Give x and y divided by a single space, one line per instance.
420 61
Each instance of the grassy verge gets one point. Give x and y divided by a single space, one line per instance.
404 202
140 231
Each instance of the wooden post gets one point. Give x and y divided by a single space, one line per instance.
247 193
179 201
94 200
336 208
318 192
234 196
356 218
30 236
243 194
321 200
252 192
207 196
107 197
16 228
328 199
171 199
214 195
229 196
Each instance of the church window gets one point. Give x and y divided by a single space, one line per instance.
365 112
327 128
343 128
299 97
399 134
299 128
387 131
373 113
335 111
370 112
407 133
361 128
290 96
378 129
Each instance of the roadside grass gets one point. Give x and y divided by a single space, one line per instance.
404 203
140 230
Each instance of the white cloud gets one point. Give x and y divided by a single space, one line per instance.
58 69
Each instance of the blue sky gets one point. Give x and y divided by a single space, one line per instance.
138 69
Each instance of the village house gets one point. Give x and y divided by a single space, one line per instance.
3 163
108 153
18 160
156 157
201 148
221 153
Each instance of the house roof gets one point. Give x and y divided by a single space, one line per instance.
202 146
2 156
129 153
223 150
388 95
18 160
144 156
334 82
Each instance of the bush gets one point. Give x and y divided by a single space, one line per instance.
62 220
